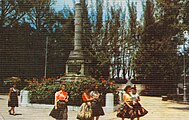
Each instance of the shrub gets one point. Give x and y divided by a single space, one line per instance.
44 91
7 83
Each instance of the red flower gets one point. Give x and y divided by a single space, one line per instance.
103 81
111 83
49 78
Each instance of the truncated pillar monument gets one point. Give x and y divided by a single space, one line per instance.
77 63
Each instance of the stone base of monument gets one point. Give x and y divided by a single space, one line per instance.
71 79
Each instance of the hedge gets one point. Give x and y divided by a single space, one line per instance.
43 92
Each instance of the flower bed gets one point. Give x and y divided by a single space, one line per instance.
43 92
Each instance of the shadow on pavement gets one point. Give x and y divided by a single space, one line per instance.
18 114
179 108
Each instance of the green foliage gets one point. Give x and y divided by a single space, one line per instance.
23 47
157 63
12 11
7 83
149 18
25 25
44 92
40 13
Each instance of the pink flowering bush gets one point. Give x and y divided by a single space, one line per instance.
43 92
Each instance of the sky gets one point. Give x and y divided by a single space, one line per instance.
60 3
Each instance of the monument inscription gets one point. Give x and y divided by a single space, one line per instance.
74 68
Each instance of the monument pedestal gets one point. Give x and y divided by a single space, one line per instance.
76 64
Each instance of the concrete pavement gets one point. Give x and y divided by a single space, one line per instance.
158 110
35 112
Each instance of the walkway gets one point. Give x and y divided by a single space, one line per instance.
158 110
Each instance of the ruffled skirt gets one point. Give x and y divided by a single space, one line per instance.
59 114
125 112
139 111
136 112
85 112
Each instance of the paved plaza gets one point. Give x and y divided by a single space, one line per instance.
158 110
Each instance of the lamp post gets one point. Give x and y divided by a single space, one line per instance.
46 57
184 82
186 38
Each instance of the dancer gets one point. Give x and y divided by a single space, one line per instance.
60 110
85 112
96 103
127 110
139 111
13 99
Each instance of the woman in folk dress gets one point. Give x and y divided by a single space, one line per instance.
13 99
86 111
96 103
127 110
60 110
139 111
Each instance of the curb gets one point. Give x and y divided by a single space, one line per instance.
184 103
178 102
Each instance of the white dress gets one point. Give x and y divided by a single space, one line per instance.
135 96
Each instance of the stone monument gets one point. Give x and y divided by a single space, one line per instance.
77 63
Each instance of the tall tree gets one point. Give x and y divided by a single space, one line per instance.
99 19
133 36
149 18
39 13
87 32
23 51
12 11
61 40
157 61
186 12
114 41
